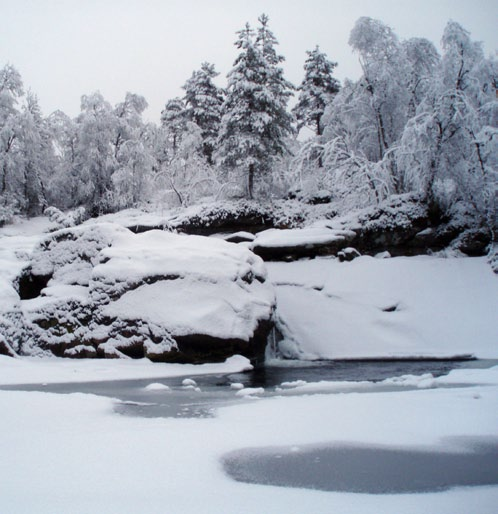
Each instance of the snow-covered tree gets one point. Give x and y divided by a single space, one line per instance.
383 84
174 122
63 186
255 121
422 60
37 157
203 100
134 160
95 153
316 90
11 90
448 148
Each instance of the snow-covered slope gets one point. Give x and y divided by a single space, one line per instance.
376 308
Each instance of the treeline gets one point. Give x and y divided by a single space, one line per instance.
414 122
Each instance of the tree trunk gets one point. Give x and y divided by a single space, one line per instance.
250 181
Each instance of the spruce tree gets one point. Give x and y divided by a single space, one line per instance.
255 122
174 121
316 90
203 100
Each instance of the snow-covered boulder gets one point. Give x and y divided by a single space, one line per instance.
292 244
169 297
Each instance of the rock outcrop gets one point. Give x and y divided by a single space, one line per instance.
110 293
401 226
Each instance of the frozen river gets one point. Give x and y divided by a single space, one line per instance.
180 397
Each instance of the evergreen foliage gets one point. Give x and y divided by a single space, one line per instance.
316 90
203 100
255 121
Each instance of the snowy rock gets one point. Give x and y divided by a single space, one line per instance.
383 255
404 226
240 237
235 217
493 258
392 226
5 348
348 254
81 352
67 257
473 242
159 295
292 244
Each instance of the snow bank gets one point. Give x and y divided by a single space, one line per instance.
379 308
52 370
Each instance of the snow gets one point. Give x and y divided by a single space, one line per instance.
205 285
157 386
131 218
379 308
51 370
250 391
71 453
275 238
247 236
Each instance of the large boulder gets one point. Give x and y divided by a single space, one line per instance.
169 297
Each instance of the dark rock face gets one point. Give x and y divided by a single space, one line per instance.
199 348
31 285
5 348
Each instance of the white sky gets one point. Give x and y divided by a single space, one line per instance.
66 48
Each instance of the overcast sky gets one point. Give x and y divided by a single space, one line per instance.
66 48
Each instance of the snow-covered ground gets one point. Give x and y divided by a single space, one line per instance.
74 453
